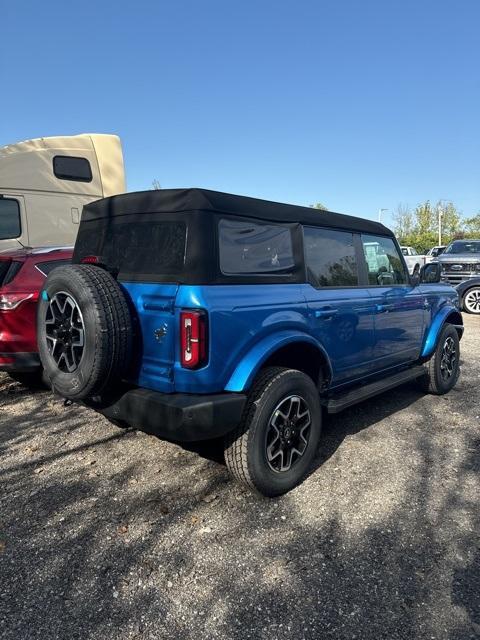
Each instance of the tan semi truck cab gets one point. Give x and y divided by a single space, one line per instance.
45 182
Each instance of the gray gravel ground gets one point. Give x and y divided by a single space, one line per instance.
113 534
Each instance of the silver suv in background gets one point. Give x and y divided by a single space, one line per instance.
460 261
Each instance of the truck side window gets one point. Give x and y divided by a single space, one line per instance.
70 168
384 264
250 248
330 258
10 226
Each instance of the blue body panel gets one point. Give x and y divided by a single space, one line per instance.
239 317
155 310
252 361
442 305
359 331
399 325
342 321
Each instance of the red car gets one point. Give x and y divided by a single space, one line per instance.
22 274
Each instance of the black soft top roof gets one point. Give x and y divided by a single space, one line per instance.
183 200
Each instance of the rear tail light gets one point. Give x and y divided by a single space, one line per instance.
10 301
90 260
193 339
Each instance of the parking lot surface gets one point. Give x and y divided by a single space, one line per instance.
110 534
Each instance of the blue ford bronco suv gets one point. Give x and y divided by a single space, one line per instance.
195 315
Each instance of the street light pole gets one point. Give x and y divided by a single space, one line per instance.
380 211
440 214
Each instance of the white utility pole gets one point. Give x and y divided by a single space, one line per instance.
440 214
380 211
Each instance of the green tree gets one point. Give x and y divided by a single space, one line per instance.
424 233
451 219
319 206
424 219
404 221
419 228
472 226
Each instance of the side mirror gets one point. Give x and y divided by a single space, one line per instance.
430 272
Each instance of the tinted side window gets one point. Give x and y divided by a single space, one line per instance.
10 226
46 267
142 249
69 168
253 248
384 264
330 258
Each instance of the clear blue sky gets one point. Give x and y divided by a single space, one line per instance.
358 104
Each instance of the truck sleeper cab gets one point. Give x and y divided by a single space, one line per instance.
45 182
196 314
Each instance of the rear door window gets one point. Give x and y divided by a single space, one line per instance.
250 248
330 258
10 226
384 264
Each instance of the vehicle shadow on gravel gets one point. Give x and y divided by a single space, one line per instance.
335 428
109 533
339 426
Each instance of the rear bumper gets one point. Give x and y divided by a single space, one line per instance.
178 416
21 362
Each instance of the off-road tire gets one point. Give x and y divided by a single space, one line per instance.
433 382
108 331
245 450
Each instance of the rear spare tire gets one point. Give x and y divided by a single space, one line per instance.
84 331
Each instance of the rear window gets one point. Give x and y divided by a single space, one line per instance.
9 219
141 249
70 168
250 248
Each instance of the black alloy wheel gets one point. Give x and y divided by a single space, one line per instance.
65 331
286 438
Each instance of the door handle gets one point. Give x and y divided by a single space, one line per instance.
326 313
384 308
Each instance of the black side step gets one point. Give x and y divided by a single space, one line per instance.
348 398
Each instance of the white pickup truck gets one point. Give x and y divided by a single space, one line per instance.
414 261
434 252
